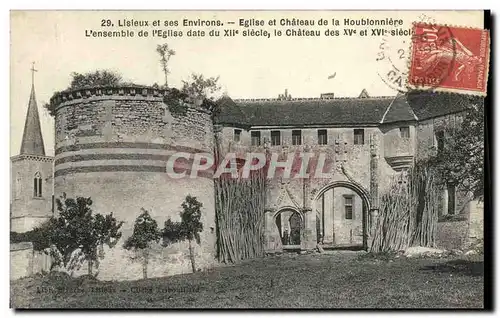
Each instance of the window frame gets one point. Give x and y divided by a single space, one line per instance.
37 185
439 135
237 132
356 132
320 134
252 137
294 137
273 134
405 135
346 205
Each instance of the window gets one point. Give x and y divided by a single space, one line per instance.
349 206
275 138
237 135
37 185
255 138
359 136
440 140
296 137
404 132
322 137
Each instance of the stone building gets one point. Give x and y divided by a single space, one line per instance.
112 144
369 140
31 176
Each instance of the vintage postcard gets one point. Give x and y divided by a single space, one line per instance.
248 159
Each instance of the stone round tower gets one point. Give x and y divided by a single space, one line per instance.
112 144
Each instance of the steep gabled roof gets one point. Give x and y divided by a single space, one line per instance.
32 143
398 110
364 94
230 113
340 111
427 105
276 112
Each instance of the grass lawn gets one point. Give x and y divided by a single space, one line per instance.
333 280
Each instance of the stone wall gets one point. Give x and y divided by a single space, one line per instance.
476 220
113 146
426 145
26 208
21 260
394 144
23 224
340 140
426 132
462 230
346 162
134 118
24 261
347 232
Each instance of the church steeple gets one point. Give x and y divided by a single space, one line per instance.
32 143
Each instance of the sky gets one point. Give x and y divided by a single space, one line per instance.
248 67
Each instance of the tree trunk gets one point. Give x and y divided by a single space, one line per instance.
89 263
191 256
145 264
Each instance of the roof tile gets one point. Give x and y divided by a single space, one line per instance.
340 111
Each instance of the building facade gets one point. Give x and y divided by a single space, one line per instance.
112 145
369 141
31 176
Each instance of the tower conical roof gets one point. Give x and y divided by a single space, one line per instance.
32 143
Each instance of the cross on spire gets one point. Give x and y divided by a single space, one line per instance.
33 73
32 143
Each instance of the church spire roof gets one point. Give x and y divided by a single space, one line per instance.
32 143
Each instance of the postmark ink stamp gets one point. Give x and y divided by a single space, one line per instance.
392 60
453 59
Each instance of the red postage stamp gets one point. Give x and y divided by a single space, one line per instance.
446 58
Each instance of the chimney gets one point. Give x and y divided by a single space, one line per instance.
327 95
285 96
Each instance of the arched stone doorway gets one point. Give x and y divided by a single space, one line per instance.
290 226
341 210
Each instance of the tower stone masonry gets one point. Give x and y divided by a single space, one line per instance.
112 145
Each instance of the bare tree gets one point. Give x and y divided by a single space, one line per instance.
165 53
